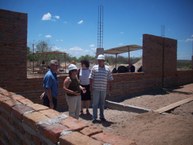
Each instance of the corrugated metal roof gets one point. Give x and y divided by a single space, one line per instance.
123 49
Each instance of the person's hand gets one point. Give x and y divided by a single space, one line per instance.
83 90
76 93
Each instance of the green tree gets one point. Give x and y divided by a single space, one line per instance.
87 57
43 46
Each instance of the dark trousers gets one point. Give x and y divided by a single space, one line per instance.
46 101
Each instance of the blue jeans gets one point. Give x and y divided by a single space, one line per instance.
98 101
46 101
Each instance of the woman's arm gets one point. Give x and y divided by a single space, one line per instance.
66 84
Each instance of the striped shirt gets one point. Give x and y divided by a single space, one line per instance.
100 76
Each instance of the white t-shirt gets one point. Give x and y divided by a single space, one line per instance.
84 76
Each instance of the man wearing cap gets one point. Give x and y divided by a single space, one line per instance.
99 78
50 84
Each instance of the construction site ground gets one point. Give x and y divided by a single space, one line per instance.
174 127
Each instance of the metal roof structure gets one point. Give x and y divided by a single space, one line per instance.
123 49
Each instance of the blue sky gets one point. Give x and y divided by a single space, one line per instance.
71 25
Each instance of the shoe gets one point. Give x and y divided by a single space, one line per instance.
87 112
103 119
94 121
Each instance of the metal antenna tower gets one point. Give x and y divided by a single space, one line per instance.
100 49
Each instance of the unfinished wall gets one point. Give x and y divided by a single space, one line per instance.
26 123
13 40
158 72
160 59
13 59
23 121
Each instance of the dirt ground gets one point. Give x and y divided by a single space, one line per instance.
171 128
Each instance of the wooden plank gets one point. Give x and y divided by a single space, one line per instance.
174 105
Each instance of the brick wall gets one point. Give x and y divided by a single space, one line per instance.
157 73
13 40
23 121
184 77
28 123
160 58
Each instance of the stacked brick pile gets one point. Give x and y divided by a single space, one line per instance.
26 123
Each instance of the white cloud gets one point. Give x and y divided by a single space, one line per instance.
76 48
48 36
80 22
189 39
57 17
59 40
47 17
76 51
91 45
55 48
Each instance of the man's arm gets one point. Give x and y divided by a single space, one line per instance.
49 94
91 84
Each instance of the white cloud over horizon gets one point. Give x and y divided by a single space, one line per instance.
57 17
189 39
91 45
48 36
75 51
48 17
80 22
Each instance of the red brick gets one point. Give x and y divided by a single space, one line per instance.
37 107
25 101
91 130
17 123
52 132
33 118
73 124
4 92
8 104
20 109
3 98
76 138
17 97
50 113
113 139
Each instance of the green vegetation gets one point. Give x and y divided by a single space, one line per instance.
184 64
43 47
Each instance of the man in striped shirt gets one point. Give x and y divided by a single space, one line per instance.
99 78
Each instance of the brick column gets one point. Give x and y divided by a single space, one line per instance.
13 45
159 59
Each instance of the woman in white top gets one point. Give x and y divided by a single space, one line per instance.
83 75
